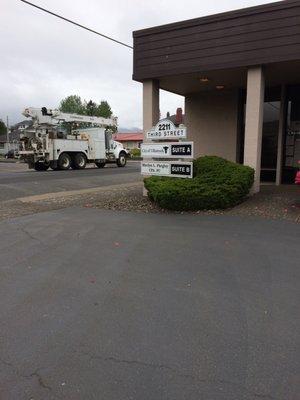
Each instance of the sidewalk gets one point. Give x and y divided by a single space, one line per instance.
10 160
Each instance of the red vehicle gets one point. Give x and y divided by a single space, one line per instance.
297 179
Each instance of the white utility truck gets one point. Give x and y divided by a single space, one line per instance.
46 144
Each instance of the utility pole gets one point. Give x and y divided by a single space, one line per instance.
7 129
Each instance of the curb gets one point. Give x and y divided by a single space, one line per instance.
8 161
57 195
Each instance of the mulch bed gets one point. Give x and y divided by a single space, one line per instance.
272 202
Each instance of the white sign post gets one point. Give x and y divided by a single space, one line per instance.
167 150
175 169
166 129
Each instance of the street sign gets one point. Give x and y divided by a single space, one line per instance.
176 169
167 150
165 129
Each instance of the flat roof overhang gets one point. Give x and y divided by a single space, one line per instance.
236 78
219 45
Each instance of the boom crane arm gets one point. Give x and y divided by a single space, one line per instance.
44 116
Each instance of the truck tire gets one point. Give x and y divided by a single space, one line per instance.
100 164
38 166
121 161
79 161
54 166
64 161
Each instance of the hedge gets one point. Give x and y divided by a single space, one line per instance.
135 152
217 184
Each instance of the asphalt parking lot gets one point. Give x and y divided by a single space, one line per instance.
117 305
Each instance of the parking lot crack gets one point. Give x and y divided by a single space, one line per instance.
22 229
136 362
147 365
35 374
40 379
177 372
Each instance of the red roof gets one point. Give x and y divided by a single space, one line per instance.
128 137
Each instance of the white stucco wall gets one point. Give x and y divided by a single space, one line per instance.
212 120
132 144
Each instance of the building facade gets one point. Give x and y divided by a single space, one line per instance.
240 75
130 140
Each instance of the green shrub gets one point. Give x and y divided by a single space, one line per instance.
135 152
217 184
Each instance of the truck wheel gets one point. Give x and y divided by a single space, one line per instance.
38 166
100 164
54 166
121 161
79 161
64 162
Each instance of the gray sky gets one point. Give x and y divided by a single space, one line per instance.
44 59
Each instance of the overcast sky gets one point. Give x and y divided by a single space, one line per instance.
44 59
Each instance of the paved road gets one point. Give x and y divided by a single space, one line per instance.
17 181
105 305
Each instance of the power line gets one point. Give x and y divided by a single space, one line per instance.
75 23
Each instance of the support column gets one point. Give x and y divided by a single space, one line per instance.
150 108
150 105
254 122
281 132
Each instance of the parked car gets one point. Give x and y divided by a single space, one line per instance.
10 154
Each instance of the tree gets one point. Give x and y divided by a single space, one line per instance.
91 108
3 128
72 104
104 109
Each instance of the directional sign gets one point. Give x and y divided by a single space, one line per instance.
165 129
174 169
167 150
